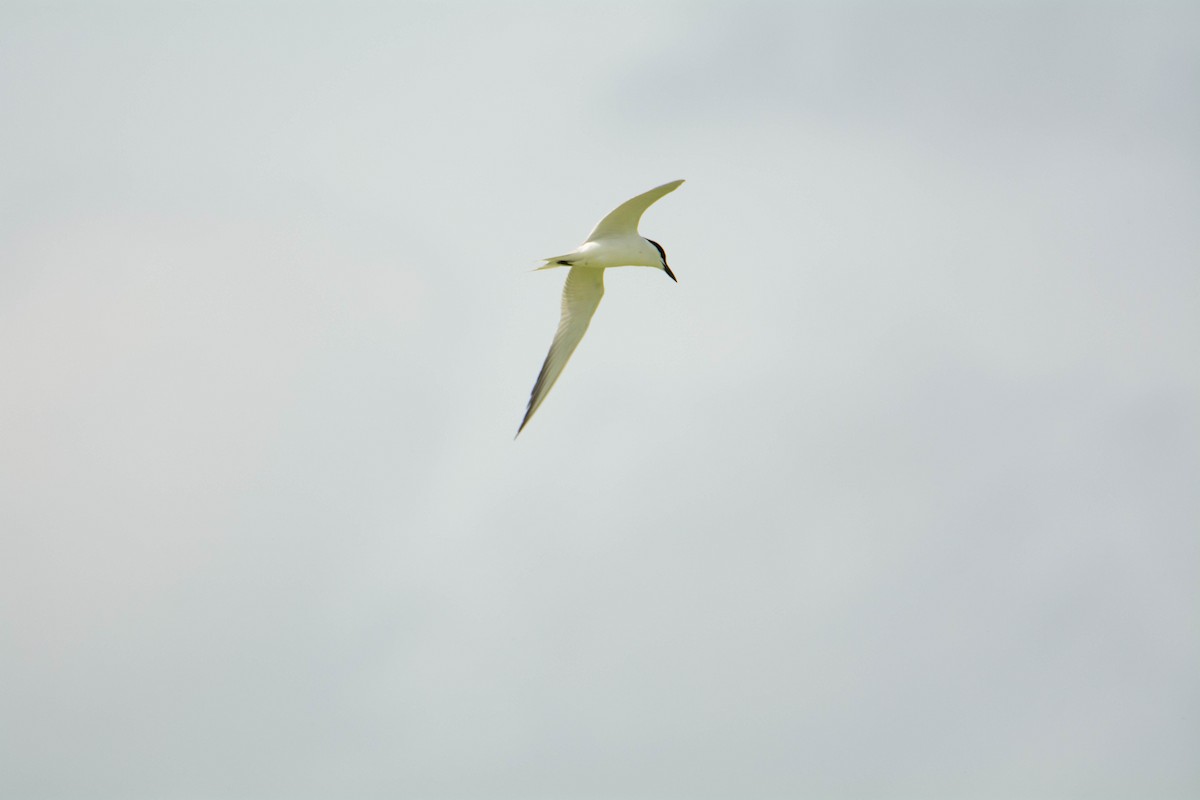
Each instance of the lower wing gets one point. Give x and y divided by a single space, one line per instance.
581 296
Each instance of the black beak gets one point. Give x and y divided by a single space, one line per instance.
670 274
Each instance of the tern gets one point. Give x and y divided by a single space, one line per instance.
614 242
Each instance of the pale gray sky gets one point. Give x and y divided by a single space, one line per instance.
894 495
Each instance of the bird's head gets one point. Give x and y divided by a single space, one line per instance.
662 255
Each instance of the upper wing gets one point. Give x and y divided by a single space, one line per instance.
623 220
581 295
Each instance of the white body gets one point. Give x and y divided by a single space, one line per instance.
614 242
616 251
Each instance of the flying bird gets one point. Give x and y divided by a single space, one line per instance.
614 242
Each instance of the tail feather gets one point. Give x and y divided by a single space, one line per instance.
557 261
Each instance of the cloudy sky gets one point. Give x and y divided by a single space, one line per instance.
893 495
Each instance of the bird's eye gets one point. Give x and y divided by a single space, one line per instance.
661 253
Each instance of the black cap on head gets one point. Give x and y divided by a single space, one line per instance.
662 254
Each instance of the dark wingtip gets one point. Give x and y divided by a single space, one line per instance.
670 274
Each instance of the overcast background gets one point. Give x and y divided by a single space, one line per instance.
893 495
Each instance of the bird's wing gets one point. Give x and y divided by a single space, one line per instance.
623 220
581 296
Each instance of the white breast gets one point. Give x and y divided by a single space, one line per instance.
626 251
